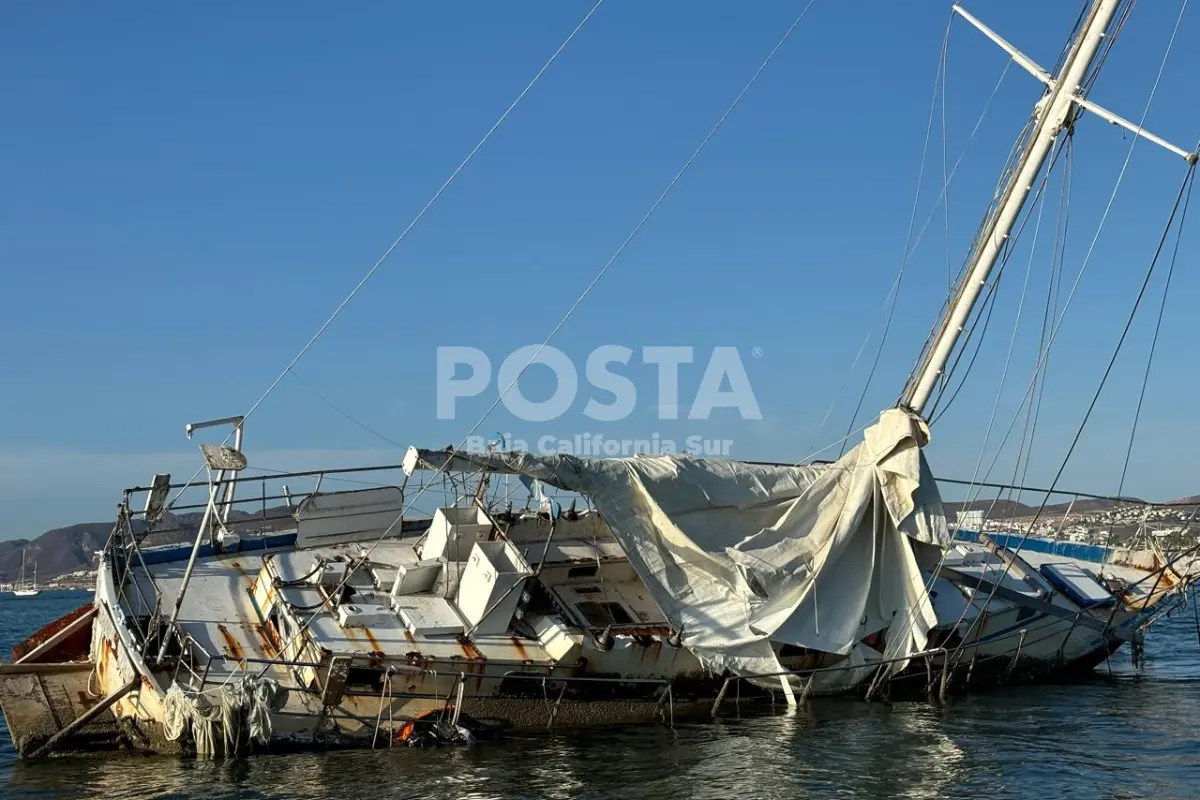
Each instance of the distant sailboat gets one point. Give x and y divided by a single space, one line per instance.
24 588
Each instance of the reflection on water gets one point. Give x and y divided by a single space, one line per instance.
1122 735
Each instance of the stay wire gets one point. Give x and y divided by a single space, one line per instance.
837 395
1184 191
894 293
343 412
404 234
442 468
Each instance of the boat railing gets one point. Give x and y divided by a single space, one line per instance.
290 499
195 660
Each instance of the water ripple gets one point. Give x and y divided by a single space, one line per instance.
1124 735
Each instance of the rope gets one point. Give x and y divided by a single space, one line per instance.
1053 292
945 148
910 618
1096 236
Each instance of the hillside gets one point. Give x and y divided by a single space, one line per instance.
68 549
1008 509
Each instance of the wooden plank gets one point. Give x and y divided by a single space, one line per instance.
48 669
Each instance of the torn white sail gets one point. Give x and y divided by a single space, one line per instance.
741 555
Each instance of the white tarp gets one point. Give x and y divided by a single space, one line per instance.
738 555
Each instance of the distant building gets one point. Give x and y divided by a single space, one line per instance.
969 520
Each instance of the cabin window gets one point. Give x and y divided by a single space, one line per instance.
587 590
604 614
586 571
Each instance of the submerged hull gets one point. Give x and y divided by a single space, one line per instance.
497 681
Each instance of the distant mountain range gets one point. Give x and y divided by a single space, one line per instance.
1010 509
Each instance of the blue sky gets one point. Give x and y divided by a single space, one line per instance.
191 190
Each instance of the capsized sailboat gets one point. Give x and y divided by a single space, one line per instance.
352 622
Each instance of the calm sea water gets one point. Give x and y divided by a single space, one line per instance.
1124 736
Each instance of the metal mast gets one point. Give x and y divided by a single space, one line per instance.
1052 115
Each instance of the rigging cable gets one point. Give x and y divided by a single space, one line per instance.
1184 193
1154 342
895 284
1007 175
1039 197
1053 295
403 234
1012 342
894 293
345 414
945 172
442 469
1070 296
1038 368
1075 285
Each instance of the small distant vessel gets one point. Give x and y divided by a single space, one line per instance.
23 588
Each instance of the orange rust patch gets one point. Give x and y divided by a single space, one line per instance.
267 637
470 650
408 635
374 643
234 649
520 649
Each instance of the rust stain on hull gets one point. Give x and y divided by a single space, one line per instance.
470 650
265 635
234 649
375 648
521 649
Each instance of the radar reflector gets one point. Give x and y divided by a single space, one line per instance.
223 457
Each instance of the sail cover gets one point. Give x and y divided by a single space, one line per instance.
738 555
